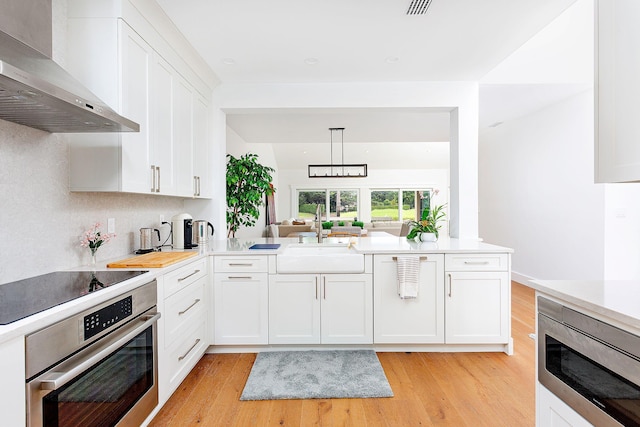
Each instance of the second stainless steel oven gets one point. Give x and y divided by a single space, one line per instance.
97 368
591 365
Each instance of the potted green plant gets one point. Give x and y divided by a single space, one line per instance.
247 183
426 230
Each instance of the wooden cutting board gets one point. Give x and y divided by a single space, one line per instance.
152 260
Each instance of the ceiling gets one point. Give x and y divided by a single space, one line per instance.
313 41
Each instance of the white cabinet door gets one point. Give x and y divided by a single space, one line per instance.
409 321
183 135
477 308
12 394
136 61
162 135
617 91
241 308
320 309
201 176
553 412
119 72
294 309
347 309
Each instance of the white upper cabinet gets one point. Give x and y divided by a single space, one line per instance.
140 76
113 162
617 91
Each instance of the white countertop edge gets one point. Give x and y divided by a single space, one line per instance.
564 290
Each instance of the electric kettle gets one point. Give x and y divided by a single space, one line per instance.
200 231
182 231
146 240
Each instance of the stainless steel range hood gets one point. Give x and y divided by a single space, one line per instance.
36 92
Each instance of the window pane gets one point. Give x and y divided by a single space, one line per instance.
343 204
384 205
307 202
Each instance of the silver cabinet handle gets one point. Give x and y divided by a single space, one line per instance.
476 262
158 187
188 275
324 285
316 287
195 185
189 351
180 313
240 264
239 277
449 285
199 186
153 178
55 380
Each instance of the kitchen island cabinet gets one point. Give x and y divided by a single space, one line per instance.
478 299
320 309
409 321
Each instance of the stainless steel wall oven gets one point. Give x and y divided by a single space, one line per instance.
592 366
97 368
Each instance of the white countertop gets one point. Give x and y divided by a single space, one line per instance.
372 244
375 243
617 300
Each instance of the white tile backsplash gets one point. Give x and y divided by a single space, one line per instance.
41 221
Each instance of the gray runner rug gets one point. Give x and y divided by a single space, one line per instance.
316 375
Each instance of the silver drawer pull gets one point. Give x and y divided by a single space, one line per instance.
476 262
189 275
180 313
189 351
240 277
240 264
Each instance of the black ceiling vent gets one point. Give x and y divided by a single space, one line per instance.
418 7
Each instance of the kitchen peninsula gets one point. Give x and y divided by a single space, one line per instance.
231 298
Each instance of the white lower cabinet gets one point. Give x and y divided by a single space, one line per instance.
12 394
182 337
551 411
409 321
477 301
241 308
320 309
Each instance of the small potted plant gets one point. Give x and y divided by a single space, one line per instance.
426 230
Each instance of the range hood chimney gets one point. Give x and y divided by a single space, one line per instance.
34 90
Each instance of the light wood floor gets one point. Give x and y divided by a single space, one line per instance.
430 389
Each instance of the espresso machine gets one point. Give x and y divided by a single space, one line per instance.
182 231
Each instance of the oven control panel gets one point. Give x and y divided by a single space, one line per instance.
106 317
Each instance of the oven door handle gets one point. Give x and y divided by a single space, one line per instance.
55 380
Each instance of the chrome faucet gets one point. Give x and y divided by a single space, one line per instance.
319 225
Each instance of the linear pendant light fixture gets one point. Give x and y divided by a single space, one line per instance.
340 170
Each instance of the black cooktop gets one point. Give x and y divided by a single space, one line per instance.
30 296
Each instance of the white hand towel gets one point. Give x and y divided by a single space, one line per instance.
408 276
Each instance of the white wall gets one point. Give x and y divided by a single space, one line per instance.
537 193
622 231
237 147
458 98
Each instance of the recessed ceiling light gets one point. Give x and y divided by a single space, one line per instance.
228 61
311 61
391 59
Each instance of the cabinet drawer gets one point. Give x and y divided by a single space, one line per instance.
184 276
182 309
476 262
241 264
184 354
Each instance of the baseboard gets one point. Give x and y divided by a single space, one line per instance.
522 279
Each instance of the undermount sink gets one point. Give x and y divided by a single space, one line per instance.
319 258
